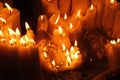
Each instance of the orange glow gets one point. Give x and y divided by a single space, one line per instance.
118 40
42 17
27 26
78 14
11 32
113 42
3 40
22 41
3 20
57 20
65 16
8 7
112 1
17 32
53 63
91 7
68 60
32 41
63 47
75 44
71 25
45 55
76 55
60 29
1 34
12 41
72 49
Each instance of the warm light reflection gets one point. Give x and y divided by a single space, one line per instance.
8 7
71 25
57 20
112 1
1 34
45 55
65 16
3 20
60 29
27 26
63 47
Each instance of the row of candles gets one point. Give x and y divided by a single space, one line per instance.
58 53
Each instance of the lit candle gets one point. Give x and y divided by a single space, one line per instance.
109 16
42 23
90 17
12 16
60 37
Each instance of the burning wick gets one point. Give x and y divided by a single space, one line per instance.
91 7
9 8
3 20
71 25
42 17
112 2
65 16
57 20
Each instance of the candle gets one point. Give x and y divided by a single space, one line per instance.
50 7
109 17
42 23
12 16
90 17
113 50
64 6
60 37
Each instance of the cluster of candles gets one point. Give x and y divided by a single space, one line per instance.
59 53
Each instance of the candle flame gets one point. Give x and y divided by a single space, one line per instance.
75 44
113 42
27 39
63 47
12 41
71 25
42 17
1 34
27 26
118 40
72 49
53 63
11 32
78 14
9 8
3 20
22 41
45 55
32 41
3 40
112 1
67 52
65 16
17 32
69 59
76 56
57 20
60 29
91 7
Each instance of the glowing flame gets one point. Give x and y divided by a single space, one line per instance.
11 32
27 26
45 55
112 1
1 33
3 20
3 40
67 52
68 59
17 32
60 30
27 39
53 63
8 7
42 17
75 44
22 41
91 7
32 41
113 42
12 41
78 14
65 16
57 20
71 25
72 49
118 40
63 47
76 56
